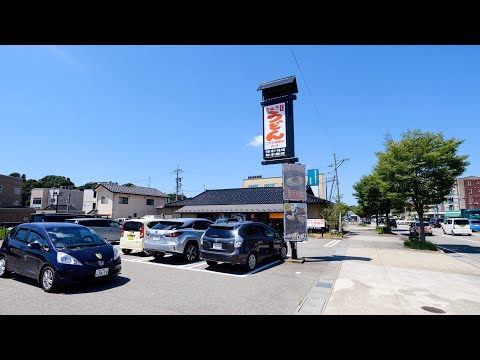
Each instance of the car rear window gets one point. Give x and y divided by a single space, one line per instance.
461 222
132 226
225 232
474 221
167 225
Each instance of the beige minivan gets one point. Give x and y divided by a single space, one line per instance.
134 232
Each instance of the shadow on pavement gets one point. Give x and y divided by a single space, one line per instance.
238 270
334 258
91 287
466 249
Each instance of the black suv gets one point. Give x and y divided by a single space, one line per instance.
244 243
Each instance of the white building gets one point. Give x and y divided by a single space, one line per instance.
116 201
89 200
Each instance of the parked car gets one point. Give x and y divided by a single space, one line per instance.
245 243
457 226
121 220
414 229
475 225
176 236
134 232
56 254
393 223
367 221
108 229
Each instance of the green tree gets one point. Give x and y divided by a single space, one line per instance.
51 181
331 214
128 184
15 174
89 185
422 166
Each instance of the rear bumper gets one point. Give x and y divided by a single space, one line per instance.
156 246
231 258
135 244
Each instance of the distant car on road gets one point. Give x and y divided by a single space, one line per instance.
436 222
367 221
393 223
58 253
475 225
414 229
457 226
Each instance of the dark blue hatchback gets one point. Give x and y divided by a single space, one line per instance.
57 254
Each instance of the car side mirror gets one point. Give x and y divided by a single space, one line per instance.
46 248
34 245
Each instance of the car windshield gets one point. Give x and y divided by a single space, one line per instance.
74 237
167 225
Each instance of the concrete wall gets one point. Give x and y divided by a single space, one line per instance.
89 200
16 214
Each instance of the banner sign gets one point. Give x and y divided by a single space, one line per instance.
295 221
294 184
313 177
315 223
274 131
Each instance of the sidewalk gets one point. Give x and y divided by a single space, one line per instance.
377 275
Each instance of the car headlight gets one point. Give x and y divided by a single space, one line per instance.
63 258
116 254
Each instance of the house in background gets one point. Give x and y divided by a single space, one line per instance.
117 201
68 199
89 201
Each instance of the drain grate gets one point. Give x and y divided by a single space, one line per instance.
433 309
324 285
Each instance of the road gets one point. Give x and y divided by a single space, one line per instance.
172 286
465 248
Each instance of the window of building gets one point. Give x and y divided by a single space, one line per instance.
451 207
250 186
269 185
94 206
469 183
94 194
103 200
470 199
16 191
15 203
150 201
134 215
469 191
1 188
37 201
123 200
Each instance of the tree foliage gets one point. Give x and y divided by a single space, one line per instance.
89 185
422 166
15 174
331 214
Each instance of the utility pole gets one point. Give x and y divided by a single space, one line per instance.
178 186
338 188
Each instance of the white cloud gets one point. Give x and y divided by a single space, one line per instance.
256 141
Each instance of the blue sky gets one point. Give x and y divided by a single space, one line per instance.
132 113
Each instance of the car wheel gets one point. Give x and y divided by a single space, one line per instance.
126 251
48 279
3 268
191 252
159 255
212 263
251 261
283 252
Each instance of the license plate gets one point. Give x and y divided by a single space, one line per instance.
462 226
217 246
131 237
155 237
101 272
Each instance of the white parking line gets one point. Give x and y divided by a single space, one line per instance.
332 243
191 267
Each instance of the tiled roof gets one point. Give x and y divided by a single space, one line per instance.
278 82
133 190
260 195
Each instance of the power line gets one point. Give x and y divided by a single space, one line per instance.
305 81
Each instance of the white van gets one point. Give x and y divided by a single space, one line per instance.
457 226
134 232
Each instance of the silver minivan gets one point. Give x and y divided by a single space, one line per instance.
457 226
108 229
